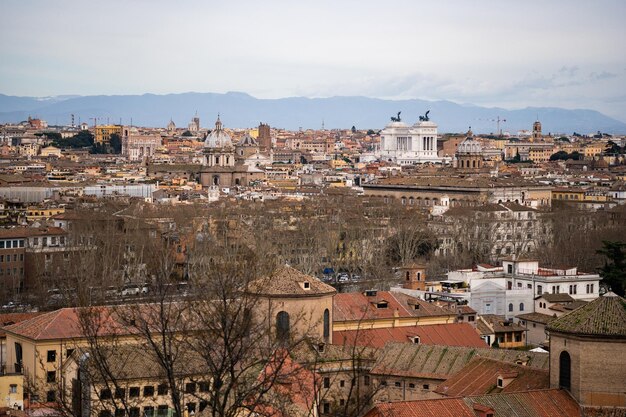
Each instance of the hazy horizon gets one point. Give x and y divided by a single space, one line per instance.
567 54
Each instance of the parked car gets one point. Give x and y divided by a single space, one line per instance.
343 277
111 292
130 290
145 289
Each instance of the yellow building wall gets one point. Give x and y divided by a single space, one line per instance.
392 322
103 133
7 397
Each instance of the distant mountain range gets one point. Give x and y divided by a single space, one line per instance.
240 110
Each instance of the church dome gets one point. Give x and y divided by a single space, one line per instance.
218 138
247 140
469 146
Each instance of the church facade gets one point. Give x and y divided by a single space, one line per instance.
221 168
408 145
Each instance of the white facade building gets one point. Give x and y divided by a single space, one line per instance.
407 145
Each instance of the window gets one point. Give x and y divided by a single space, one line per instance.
13 389
51 396
342 402
148 411
326 324
120 393
51 376
342 383
105 394
565 370
52 356
162 410
203 386
366 380
326 382
191 407
510 306
133 392
500 383
190 387
120 412
282 325
326 408
397 384
69 352
162 389
425 386
133 412
148 391
470 318
411 385
307 285
521 306
573 289
203 405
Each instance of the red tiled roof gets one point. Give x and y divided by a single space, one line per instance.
355 306
453 334
540 403
480 376
8 319
15 232
444 407
58 324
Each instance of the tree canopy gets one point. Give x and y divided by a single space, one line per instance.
614 270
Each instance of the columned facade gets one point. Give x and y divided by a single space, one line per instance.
407 145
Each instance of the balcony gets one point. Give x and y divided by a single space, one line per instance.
14 369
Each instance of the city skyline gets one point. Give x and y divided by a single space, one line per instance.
512 56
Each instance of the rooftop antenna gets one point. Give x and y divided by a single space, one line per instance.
322 124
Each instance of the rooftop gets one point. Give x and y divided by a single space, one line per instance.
539 403
480 377
286 281
356 306
441 362
604 316
453 334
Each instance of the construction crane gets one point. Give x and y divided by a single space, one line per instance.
498 120
95 120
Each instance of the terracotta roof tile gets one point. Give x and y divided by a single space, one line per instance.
540 403
480 377
536 317
8 319
289 282
355 306
440 362
604 316
453 334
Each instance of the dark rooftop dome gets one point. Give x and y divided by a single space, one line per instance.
604 316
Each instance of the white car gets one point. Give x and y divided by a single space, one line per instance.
130 290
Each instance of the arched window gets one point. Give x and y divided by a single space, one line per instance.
565 371
326 324
282 325
510 306
521 306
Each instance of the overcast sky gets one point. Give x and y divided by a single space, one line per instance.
511 54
